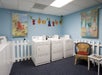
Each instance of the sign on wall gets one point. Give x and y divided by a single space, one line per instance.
19 24
89 24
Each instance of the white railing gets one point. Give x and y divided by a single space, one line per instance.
96 45
21 50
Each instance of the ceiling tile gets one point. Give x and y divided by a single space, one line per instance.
29 0
70 6
50 8
25 5
46 2
36 10
85 3
39 6
78 5
44 11
54 10
11 4
69 11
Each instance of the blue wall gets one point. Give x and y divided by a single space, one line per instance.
6 25
72 25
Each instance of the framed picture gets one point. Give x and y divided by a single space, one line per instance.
19 24
89 24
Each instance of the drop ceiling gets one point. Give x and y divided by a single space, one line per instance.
29 5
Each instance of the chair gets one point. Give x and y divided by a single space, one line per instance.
82 50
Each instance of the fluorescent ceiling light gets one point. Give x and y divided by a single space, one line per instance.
60 3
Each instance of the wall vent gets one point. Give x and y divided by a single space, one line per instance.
39 6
